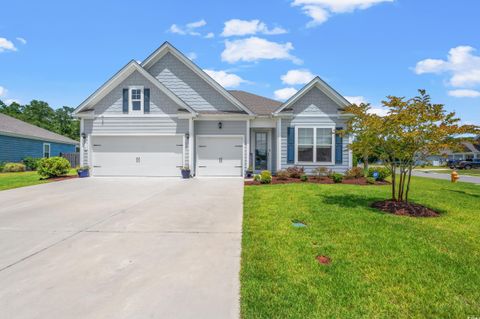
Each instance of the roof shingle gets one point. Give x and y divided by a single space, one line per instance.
257 104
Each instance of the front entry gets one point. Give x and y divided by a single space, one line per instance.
261 151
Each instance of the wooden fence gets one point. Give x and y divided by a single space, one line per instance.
73 158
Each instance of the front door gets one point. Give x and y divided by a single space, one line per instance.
261 151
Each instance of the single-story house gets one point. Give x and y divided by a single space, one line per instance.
466 151
19 139
155 117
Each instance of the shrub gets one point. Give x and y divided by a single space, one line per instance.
370 180
2 165
322 171
383 172
354 172
31 163
53 167
304 178
13 167
282 175
337 177
295 171
256 177
265 177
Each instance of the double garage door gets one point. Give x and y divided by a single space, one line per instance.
164 155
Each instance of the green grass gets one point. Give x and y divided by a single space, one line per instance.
21 179
383 266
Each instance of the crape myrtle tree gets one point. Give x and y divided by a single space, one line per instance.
412 130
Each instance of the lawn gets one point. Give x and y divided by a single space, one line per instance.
21 179
383 266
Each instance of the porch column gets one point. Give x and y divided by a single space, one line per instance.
82 141
190 145
248 145
279 144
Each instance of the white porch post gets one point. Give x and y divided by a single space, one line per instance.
248 145
279 144
190 145
82 141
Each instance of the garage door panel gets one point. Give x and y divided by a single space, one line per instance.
137 155
219 156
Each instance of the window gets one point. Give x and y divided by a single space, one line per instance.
46 150
315 145
136 99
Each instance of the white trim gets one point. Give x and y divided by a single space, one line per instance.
322 86
190 144
136 134
321 115
149 115
49 150
121 75
167 47
183 150
247 164
214 117
82 140
314 127
219 135
279 144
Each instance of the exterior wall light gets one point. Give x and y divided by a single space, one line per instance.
220 125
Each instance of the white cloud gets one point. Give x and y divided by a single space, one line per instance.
6 45
356 99
237 27
254 49
380 111
464 93
209 35
189 29
285 93
321 10
21 40
192 55
294 77
3 91
461 64
225 79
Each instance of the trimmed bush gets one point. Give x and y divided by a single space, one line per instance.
304 178
14 167
31 163
2 165
337 177
295 171
322 171
53 167
256 177
282 175
354 172
370 180
265 177
383 172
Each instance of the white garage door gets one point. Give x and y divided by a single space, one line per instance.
219 155
137 155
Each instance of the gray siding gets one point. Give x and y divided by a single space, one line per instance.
315 102
191 88
160 103
228 128
135 125
314 120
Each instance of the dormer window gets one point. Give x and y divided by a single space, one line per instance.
136 99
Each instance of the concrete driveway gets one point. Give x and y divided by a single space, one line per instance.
121 248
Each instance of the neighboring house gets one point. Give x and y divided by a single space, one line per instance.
466 151
19 139
153 118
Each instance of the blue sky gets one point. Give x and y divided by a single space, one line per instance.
61 51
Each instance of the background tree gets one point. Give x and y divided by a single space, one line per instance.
411 131
39 113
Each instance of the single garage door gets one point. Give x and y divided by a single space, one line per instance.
219 155
137 155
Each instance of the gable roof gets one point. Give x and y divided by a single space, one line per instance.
317 82
167 47
12 126
121 75
257 104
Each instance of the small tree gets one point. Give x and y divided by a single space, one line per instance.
411 131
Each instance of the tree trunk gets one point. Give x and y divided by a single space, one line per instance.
393 182
408 182
400 185
365 162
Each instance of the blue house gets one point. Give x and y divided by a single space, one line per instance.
19 140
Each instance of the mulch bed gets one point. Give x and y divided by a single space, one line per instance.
405 209
62 178
320 180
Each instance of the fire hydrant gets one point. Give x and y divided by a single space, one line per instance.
454 176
